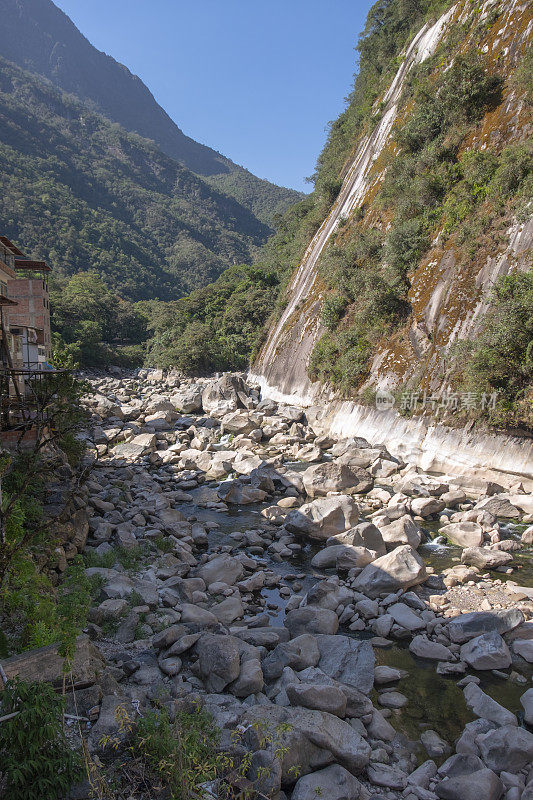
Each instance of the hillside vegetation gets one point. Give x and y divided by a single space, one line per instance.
83 193
40 38
436 190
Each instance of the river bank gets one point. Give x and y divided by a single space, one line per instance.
381 614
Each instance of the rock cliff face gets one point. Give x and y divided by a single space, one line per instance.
448 295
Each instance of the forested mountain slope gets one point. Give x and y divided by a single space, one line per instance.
416 275
84 193
40 38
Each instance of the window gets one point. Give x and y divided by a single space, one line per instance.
3 288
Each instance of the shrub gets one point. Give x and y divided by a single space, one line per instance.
37 761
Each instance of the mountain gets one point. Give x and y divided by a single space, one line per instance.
408 269
85 194
40 38
415 272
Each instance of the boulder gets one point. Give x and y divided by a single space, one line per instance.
499 506
323 517
386 776
487 651
299 653
484 706
333 477
524 648
368 535
237 493
335 739
481 783
483 558
311 619
250 680
422 647
465 534
399 569
223 568
405 617
527 703
467 626
188 400
229 609
322 697
403 530
426 506
333 782
239 422
222 396
348 661
218 660
508 748
343 557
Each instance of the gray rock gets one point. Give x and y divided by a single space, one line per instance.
265 773
250 680
334 477
484 706
323 517
435 746
487 651
499 507
467 626
483 558
318 728
399 569
422 647
386 776
228 610
301 652
524 648
322 697
195 615
507 748
218 659
223 568
380 728
401 531
311 619
483 783
405 617
423 774
465 534
527 703
368 535
342 556
347 660
333 783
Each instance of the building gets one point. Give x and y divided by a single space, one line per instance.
25 340
29 320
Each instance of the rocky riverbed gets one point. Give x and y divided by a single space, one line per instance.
382 613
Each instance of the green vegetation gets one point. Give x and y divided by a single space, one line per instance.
94 326
501 357
85 194
197 346
34 610
37 761
41 39
180 753
215 328
429 184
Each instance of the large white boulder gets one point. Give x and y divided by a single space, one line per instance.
399 569
323 517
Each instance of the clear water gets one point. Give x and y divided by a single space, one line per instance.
435 701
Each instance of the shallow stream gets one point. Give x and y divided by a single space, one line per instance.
435 701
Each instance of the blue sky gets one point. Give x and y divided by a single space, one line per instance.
257 80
